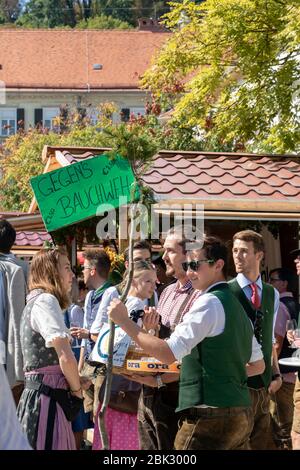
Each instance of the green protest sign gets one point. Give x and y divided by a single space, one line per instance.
75 192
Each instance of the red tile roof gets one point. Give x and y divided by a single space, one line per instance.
234 177
220 181
31 238
65 59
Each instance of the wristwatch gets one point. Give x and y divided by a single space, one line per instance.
151 332
159 382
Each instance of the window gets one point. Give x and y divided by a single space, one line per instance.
8 121
127 112
49 115
93 115
138 111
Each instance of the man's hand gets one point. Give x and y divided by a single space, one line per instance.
275 385
117 311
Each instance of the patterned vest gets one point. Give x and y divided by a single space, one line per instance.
266 334
34 350
214 373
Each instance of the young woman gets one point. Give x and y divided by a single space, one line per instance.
49 363
142 287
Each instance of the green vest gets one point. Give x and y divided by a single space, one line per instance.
214 373
267 308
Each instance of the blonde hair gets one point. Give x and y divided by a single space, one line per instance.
44 274
138 268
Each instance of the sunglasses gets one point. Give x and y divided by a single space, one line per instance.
195 265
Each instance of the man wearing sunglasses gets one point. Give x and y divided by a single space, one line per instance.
261 302
157 420
216 345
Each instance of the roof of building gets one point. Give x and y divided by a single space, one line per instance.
61 59
32 238
227 184
232 179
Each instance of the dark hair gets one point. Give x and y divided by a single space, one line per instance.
100 260
139 245
251 236
81 285
284 274
215 249
178 232
7 236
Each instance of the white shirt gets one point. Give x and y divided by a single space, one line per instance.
11 436
205 319
244 284
102 316
146 301
47 319
134 303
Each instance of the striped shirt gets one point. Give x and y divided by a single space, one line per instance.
171 300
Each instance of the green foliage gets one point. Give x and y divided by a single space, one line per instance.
9 11
103 22
19 160
92 14
237 62
42 14
137 141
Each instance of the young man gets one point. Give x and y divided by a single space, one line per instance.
215 342
157 420
260 301
141 252
96 269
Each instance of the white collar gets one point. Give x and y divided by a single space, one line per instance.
243 281
215 284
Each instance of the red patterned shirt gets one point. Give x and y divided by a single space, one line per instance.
171 300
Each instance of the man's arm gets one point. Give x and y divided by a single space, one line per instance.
152 345
277 381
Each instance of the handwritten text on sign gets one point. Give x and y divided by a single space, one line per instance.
73 193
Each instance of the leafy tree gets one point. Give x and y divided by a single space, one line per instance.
59 13
231 71
43 14
20 155
103 22
9 10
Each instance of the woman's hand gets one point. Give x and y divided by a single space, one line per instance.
79 332
85 383
150 318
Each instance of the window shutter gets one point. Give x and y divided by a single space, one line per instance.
125 114
20 118
38 117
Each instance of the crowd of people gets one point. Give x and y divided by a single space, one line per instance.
227 335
